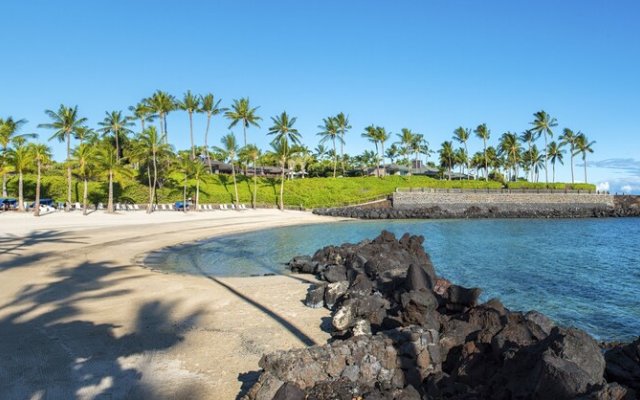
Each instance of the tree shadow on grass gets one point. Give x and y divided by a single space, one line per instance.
51 350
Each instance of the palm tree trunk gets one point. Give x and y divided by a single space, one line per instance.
155 182
110 199
384 170
235 184
282 189
572 180
117 146
341 154
553 169
206 144
149 208
36 208
335 157
67 206
244 130
546 173
4 185
486 162
184 194
193 149
255 185
20 196
85 195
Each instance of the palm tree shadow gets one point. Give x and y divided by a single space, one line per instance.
50 349
13 244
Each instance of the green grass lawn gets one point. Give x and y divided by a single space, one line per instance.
306 193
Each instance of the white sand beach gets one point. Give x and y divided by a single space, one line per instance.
80 318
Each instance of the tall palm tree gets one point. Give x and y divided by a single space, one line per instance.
162 103
462 159
382 136
417 146
285 135
20 157
569 137
241 111
405 139
330 132
85 162
542 124
280 149
510 147
153 143
484 133
252 152
9 129
210 107
462 135
41 154
555 153
230 150
141 112
536 160
342 122
114 123
109 164
371 134
200 172
447 155
65 122
583 146
529 137
184 164
191 104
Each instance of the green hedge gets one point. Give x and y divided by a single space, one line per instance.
554 186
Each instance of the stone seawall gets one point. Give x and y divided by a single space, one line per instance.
404 200
485 205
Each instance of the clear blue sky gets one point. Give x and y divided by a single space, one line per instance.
428 66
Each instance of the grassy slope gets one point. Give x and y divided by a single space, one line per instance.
308 192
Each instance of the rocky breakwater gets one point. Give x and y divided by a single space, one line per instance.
402 332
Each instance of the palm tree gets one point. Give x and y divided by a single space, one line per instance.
241 111
190 103
85 134
154 144
320 152
280 149
19 157
461 135
330 132
8 131
536 161
185 165
529 137
199 173
417 146
583 146
210 107
568 137
142 112
41 154
555 153
162 103
84 160
542 124
342 121
65 123
484 133
461 158
510 147
371 134
116 124
447 155
392 152
382 136
285 135
108 162
252 152
230 150
406 138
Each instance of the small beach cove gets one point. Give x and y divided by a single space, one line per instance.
582 273
80 319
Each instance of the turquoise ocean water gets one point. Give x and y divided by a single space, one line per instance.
583 273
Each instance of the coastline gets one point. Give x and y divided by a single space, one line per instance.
73 296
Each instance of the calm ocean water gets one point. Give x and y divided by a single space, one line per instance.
583 273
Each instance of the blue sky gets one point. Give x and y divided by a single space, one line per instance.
428 66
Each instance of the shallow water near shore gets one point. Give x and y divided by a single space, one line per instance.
583 273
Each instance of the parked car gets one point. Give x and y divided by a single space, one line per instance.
180 205
8 203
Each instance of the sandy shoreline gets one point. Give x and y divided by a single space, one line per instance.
80 319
